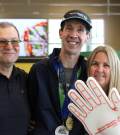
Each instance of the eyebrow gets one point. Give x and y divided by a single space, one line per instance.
98 62
81 26
71 26
107 63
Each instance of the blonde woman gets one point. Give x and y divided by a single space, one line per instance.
103 64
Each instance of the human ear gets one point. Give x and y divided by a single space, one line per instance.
87 38
60 33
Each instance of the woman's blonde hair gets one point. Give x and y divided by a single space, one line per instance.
114 65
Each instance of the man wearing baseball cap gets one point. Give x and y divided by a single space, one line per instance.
51 79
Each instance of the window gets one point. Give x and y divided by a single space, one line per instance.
96 39
53 34
97 34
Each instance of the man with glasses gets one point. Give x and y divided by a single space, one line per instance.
14 108
51 79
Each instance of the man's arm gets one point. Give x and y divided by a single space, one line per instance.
32 91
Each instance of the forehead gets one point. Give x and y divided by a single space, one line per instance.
101 56
8 32
71 22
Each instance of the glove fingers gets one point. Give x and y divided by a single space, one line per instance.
80 102
87 95
98 92
115 98
78 114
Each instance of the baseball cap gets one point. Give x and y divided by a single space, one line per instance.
78 14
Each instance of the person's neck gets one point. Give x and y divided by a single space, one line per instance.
68 61
106 90
6 69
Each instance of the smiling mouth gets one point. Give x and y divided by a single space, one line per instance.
72 43
99 76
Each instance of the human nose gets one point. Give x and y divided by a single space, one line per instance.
9 45
100 68
73 34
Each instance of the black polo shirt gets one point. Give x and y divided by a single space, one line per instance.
14 108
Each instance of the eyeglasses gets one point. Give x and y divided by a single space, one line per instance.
15 43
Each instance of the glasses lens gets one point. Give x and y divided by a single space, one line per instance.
15 42
3 43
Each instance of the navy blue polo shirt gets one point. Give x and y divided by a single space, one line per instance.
14 108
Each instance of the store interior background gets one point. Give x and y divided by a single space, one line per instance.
109 10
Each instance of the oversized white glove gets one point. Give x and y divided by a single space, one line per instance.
98 114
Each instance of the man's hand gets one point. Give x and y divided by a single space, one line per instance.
31 126
98 114
85 58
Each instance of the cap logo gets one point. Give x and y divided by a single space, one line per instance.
81 15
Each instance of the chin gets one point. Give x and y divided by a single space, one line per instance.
10 61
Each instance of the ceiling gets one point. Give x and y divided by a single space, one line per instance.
53 8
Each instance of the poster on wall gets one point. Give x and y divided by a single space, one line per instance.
33 34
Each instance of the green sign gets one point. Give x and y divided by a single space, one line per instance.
86 54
